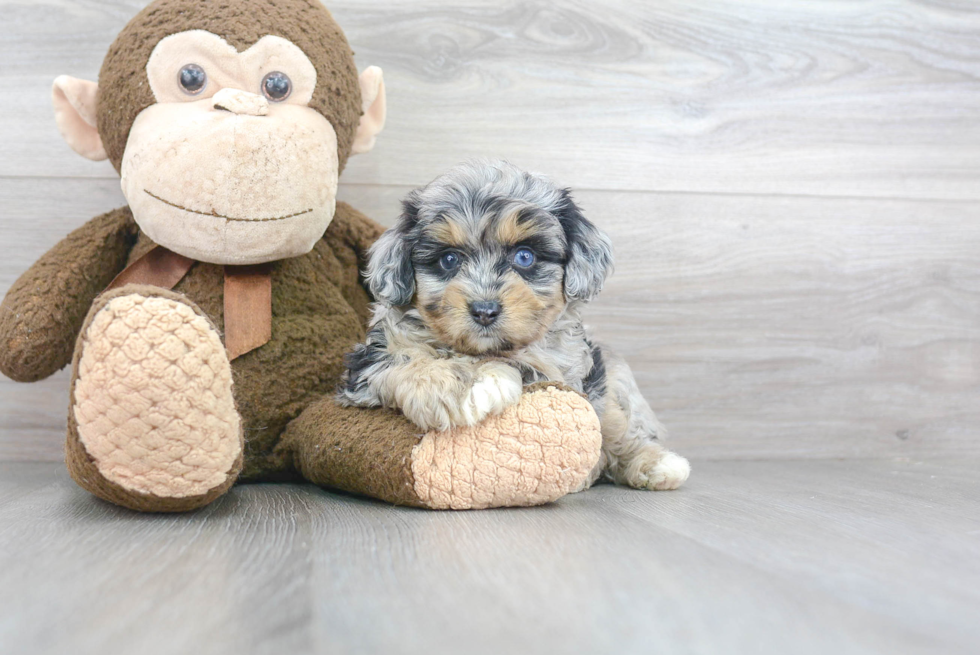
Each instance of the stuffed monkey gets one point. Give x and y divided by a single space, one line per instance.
207 321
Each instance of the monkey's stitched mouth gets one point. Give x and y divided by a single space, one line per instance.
227 218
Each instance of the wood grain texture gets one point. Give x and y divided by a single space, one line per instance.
757 326
783 324
762 326
873 98
792 190
765 326
755 557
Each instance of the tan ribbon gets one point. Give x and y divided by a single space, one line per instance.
159 268
248 308
248 294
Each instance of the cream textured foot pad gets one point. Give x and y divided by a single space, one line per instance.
533 453
153 398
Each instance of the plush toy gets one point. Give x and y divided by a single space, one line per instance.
206 323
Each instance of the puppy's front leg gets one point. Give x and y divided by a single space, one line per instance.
497 386
444 393
435 393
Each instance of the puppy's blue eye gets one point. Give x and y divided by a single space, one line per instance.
449 261
523 257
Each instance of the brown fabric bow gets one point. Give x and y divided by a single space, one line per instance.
248 294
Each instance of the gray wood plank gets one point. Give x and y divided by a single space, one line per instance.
875 98
795 327
801 557
757 326
845 528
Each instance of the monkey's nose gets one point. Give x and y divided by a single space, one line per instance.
240 102
485 312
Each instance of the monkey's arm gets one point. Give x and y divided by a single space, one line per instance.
356 230
349 236
44 309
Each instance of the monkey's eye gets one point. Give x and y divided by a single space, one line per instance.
449 261
192 79
276 86
523 257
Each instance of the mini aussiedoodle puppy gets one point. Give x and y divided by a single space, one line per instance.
480 288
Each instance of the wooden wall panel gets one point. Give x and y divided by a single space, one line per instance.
758 326
874 98
792 189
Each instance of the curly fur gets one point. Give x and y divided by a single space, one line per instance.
428 352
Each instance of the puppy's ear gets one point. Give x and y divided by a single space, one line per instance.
589 254
390 275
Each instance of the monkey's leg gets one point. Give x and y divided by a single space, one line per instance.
152 424
533 453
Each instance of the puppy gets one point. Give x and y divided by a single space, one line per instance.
480 288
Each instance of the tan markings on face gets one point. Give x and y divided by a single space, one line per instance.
449 317
450 233
510 232
527 315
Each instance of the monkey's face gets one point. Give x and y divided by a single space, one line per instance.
229 146
231 165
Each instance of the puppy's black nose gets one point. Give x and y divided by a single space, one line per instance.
485 311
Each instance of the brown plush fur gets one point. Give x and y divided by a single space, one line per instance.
329 445
37 336
124 89
319 310
283 390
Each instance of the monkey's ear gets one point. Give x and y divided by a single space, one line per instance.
374 106
74 111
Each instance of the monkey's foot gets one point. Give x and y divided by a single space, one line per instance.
153 424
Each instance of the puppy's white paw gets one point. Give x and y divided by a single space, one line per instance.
497 387
658 469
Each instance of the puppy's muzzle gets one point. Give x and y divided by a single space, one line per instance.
485 312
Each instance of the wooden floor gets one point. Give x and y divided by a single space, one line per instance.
793 193
753 557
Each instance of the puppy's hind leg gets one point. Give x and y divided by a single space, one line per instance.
632 436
